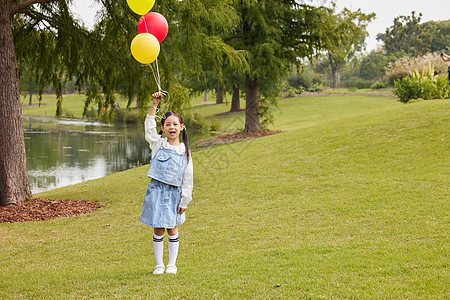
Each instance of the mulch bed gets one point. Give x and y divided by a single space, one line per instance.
235 137
46 209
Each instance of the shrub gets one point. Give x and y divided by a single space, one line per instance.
305 79
316 88
442 90
352 89
119 116
377 85
131 118
291 92
215 126
91 114
357 82
421 85
195 123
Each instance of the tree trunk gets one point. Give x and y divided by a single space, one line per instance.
13 164
219 96
31 97
336 77
235 104
252 105
205 97
138 102
335 71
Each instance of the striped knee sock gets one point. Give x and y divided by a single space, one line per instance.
158 247
173 249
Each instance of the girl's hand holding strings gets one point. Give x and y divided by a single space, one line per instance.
156 98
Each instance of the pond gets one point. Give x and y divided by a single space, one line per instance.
64 152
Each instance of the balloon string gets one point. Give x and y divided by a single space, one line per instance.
145 23
157 78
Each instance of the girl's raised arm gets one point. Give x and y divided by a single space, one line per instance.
151 134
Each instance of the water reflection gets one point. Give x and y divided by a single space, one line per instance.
65 152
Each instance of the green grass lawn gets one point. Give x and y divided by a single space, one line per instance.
350 202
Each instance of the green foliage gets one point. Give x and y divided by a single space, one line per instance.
344 35
407 35
442 89
295 81
300 90
410 87
196 123
373 65
357 82
316 88
215 126
378 85
56 49
440 33
291 92
266 106
125 116
275 34
305 78
423 85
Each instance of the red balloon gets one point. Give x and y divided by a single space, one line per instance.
154 23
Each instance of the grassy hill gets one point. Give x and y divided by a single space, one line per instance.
350 202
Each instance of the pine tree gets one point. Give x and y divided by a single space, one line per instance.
275 34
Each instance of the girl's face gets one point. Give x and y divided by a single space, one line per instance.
172 128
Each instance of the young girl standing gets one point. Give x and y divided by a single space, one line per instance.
170 188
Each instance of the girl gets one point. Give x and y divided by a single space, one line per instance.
170 189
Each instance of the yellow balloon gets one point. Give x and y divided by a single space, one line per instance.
145 48
141 7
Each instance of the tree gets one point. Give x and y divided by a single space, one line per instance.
440 35
344 35
407 35
275 35
27 83
44 35
373 65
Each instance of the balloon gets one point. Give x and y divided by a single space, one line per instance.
145 48
141 7
154 23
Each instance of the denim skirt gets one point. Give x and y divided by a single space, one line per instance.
160 205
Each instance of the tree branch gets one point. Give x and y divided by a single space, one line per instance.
19 6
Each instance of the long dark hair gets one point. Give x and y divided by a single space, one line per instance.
184 136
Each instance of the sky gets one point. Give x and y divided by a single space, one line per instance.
386 11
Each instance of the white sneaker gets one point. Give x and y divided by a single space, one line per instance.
158 270
171 270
